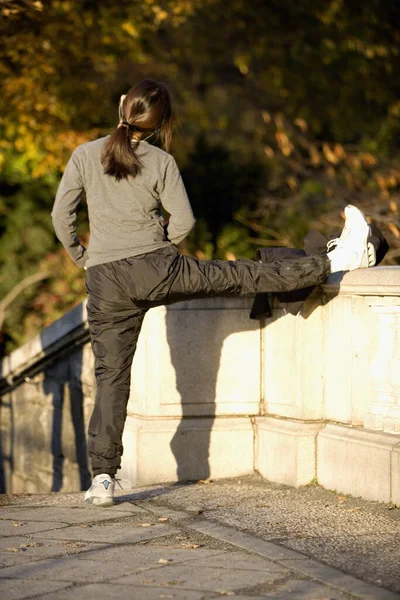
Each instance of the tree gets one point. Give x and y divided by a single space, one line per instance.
288 110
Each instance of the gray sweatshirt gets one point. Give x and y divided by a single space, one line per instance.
124 216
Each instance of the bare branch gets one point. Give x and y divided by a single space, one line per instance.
10 297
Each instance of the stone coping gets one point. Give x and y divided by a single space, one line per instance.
378 281
40 345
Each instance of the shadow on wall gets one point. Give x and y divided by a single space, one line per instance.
196 348
63 383
6 436
196 363
196 339
42 425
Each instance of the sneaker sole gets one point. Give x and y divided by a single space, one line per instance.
360 215
372 253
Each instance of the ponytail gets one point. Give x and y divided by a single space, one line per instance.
146 108
119 158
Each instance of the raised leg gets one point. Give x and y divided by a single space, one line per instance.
198 279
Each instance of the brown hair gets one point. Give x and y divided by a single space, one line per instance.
145 108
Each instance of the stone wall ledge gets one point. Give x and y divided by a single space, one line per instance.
377 281
51 340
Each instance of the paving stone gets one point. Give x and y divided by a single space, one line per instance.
71 568
143 556
121 505
239 560
115 534
11 527
190 577
20 550
106 591
162 511
186 537
67 515
13 589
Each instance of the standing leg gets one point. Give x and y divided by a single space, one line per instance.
114 325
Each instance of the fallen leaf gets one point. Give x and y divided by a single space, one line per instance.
204 481
163 519
186 546
145 524
18 524
14 549
32 545
342 499
165 561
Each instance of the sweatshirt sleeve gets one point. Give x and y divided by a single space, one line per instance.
64 211
175 200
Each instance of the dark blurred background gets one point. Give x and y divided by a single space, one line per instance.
287 110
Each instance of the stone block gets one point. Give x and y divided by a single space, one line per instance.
286 450
117 533
338 359
207 579
356 461
116 591
280 368
293 362
19 589
9 527
163 450
202 361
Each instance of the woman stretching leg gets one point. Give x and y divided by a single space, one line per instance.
132 263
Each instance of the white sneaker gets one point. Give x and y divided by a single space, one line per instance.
101 492
351 248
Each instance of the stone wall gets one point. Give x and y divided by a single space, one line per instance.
47 398
215 394
333 415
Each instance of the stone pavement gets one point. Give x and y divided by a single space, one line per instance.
245 538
